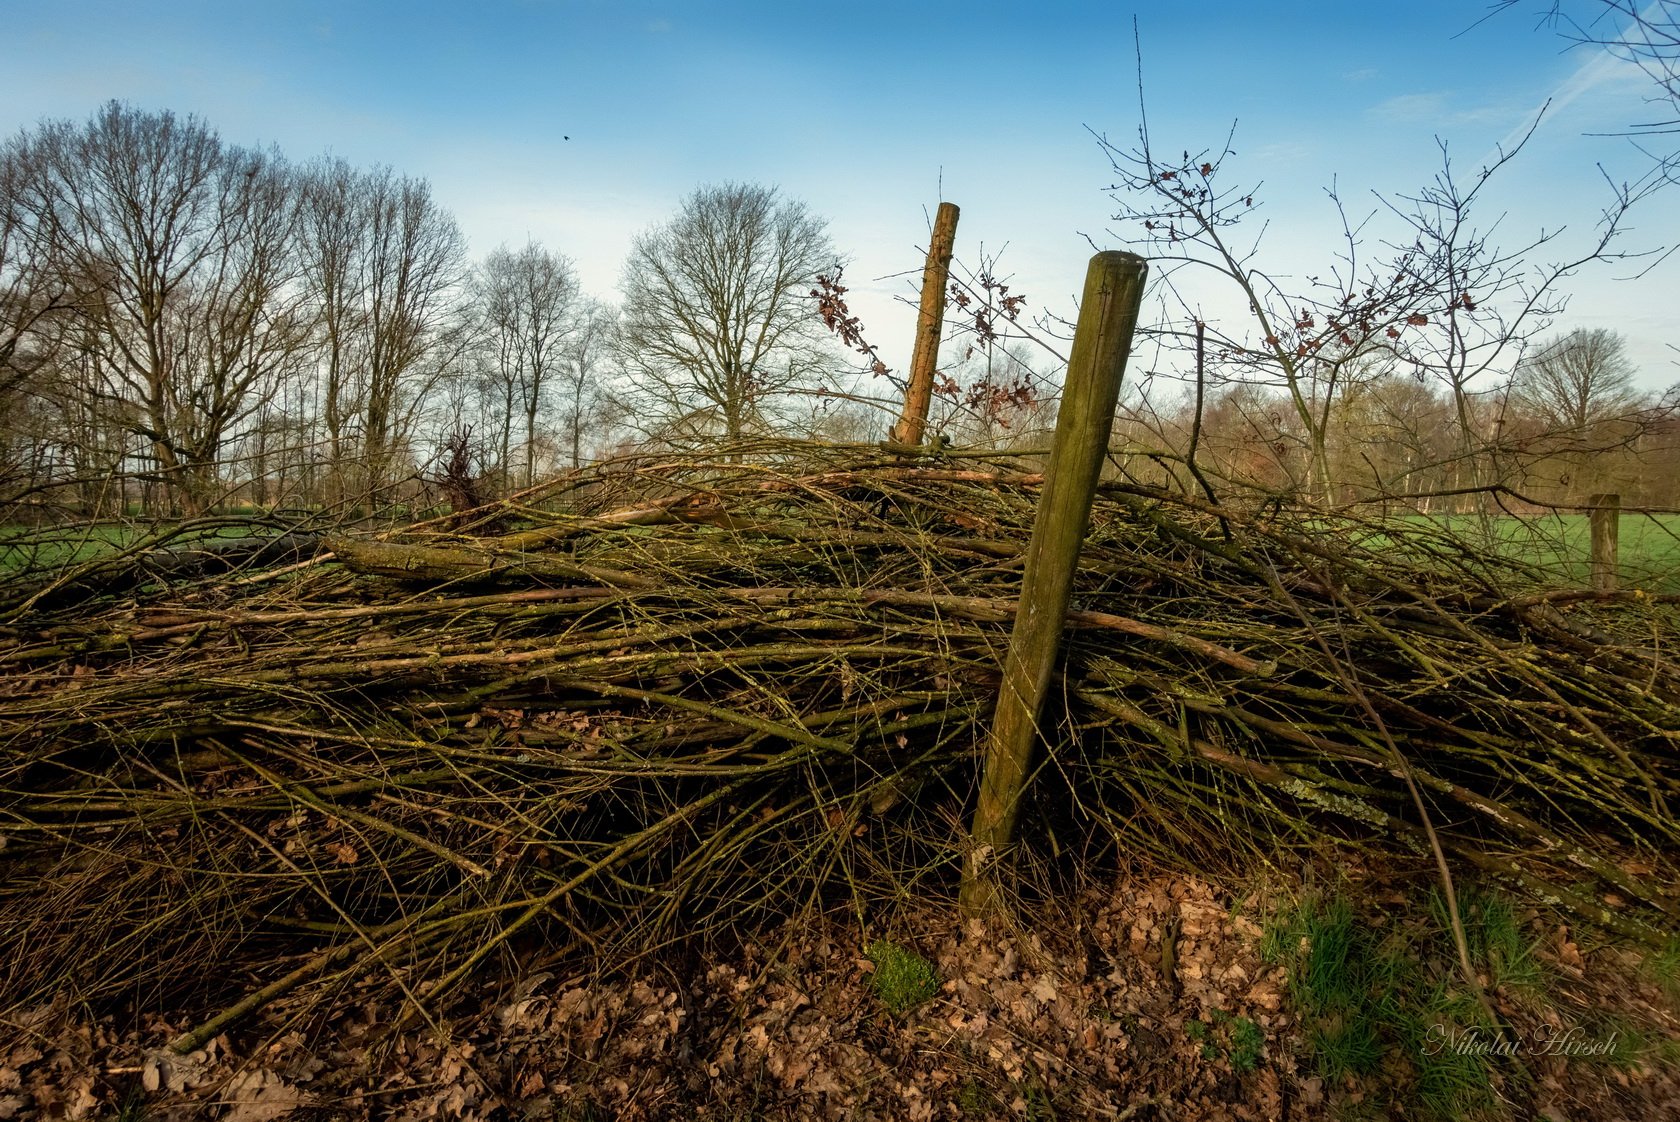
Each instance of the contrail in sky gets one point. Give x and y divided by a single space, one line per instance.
1601 67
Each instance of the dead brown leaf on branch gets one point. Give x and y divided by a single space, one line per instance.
830 296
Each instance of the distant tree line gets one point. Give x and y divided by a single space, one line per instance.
187 324
1569 422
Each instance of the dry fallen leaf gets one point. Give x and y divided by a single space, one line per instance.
259 1096
1569 954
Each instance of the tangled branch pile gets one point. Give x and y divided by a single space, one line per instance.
712 692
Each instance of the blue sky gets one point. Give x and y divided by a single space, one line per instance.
872 112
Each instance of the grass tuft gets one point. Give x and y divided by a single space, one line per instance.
1374 1002
903 979
1237 1039
1498 947
1663 967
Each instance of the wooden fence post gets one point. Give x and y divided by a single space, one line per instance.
1102 340
1604 516
930 321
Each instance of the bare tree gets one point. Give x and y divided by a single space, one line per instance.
1395 435
1576 380
29 293
415 264
1441 298
1573 407
590 348
497 368
384 264
526 300
1303 341
715 314
243 326
131 204
31 289
333 230
179 248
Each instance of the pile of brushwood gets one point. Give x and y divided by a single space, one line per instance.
667 700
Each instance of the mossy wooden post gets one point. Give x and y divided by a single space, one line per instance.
930 320
1103 338
1604 515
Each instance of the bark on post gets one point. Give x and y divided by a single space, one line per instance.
1107 317
924 358
1604 515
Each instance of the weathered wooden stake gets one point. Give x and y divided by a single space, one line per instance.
1103 338
930 320
1604 515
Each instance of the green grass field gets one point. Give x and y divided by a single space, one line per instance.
34 549
41 549
1559 545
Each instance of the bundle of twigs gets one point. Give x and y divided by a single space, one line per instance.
688 692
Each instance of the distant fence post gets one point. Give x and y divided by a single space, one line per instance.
1107 317
930 321
1605 515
